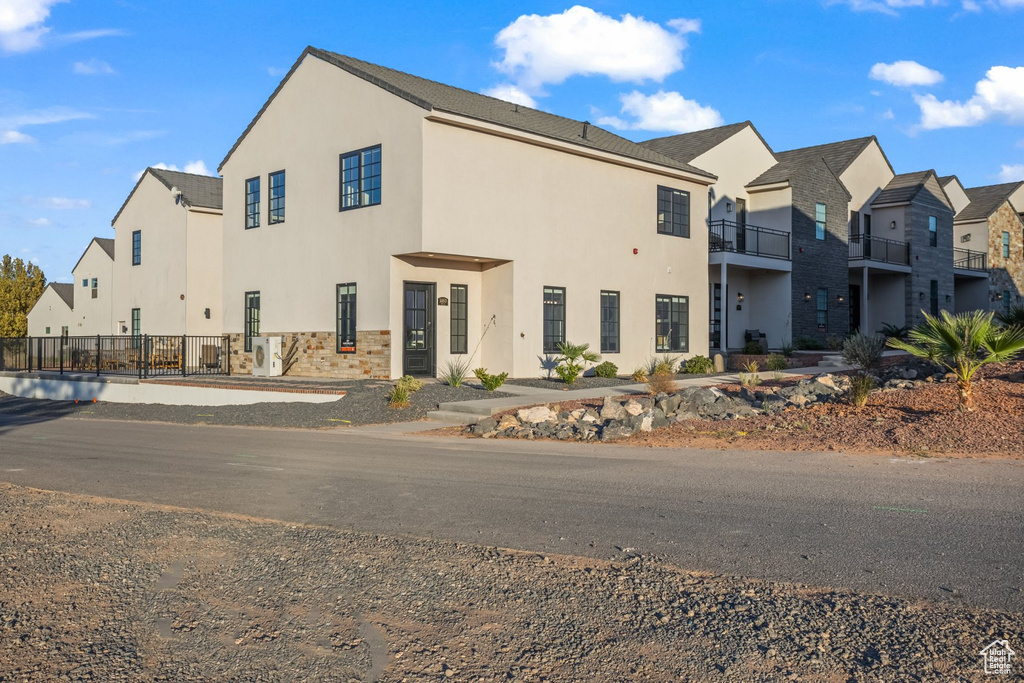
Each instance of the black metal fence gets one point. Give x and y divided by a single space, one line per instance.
879 249
133 356
741 238
965 259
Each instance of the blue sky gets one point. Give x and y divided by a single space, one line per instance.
93 92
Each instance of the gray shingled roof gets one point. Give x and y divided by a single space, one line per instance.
196 190
105 243
838 156
902 188
944 180
986 200
66 292
688 146
431 95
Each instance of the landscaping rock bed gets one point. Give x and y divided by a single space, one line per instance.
556 384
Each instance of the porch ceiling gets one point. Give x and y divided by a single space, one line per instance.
462 259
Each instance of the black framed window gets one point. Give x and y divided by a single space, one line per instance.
822 310
609 322
252 203
819 221
672 323
346 332
276 198
252 318
554 318
1006 245
459 306
934 297
136 247
933 231
136 322
673 212
360 178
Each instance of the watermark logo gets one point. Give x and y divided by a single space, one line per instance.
998 657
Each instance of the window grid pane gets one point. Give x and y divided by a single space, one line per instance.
136 322
252 318
673 212
672 323
361 178
252 203
459 313
933 231
277 197
1006 245
136 247
554 318
822 310
346 332
819 221
609 322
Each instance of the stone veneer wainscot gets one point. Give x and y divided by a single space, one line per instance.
313 354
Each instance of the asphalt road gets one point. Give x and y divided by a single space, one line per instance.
947 530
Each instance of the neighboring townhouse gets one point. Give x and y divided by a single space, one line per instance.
52 313
384 224
169 243
989 236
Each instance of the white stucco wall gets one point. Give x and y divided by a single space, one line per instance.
204 266
736 161
49 311
957 195
865 177
977 233
93 316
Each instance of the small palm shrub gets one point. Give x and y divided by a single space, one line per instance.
699 365
398 397
639 375
863 351
454 372
749 376
753 348
607 369
573 360
411 384
787 350
490 382
1012 318
860 388
664 364
662 383
894 331
777 362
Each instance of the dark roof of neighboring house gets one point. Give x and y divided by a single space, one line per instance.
196 190
837 155
65 291
986 200
431 95
944 180
903 188
688 146
105 243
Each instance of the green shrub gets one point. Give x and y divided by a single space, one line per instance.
860 389
639 375
787 350
606 369
750 378
894 331
699 365
807 344
777 362
753 348
411 384
398 397
863 351
666 365
490 382
454 372
573 360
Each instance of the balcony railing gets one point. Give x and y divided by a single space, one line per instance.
748 239
879 249
965 259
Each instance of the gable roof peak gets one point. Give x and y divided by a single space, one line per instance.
688 146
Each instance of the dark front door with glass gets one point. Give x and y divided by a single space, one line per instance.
418 356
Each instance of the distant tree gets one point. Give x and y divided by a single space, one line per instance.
21 285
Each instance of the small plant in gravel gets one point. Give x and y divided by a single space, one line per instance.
664 364
398 397
962 343
807 344
607 369
863 351
411 384
749 377
661 383
454 372
639 375
787 350
860 388
753 348
776 362
699 365
490 382
894 331
573 360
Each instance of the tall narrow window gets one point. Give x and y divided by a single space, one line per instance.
933 231
1007 304
672 323
360 178
609 322
346 332
819 221
554 318
276 197
854 225
460 313
136 322
252 203
95 288
822 309
136 247
252 318
673 212
933 292
1006 245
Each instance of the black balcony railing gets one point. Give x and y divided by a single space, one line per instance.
134 356
879 249
965 259
748 239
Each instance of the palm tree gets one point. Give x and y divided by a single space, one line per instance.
1011 318
574 357
962 343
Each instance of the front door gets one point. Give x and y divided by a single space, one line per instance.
418 346
854 308
716 316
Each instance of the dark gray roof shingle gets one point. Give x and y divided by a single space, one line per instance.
431 95
902 188
986 200
107 244
66 292
196 190
688 146
838 156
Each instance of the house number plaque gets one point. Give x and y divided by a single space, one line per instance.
442 301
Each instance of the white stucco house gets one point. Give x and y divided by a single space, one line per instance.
83 307
51 316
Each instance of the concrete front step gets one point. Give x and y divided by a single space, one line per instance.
451 417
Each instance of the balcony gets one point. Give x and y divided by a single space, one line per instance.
748 239
965 259
868 248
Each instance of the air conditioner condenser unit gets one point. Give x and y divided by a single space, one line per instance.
266 356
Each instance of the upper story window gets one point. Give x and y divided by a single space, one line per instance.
276 198
252 203
95 287
136 247
819 221
933 231
360 178
673 212
1006 245
85 282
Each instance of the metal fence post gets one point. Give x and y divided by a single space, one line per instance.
61 355
99 347
183 356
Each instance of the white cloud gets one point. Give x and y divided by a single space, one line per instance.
511 93
41 117
999 95
63 203
39 222
21 23
542 50
663 111
905 73
888 115
275 71
13 137
1011 173
976 5
883 6
92 68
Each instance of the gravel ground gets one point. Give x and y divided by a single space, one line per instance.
99 590
365 403
556 384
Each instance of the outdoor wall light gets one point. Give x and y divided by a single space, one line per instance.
841 298
948 298
739 297
920 295
892 225
807 297
728 207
